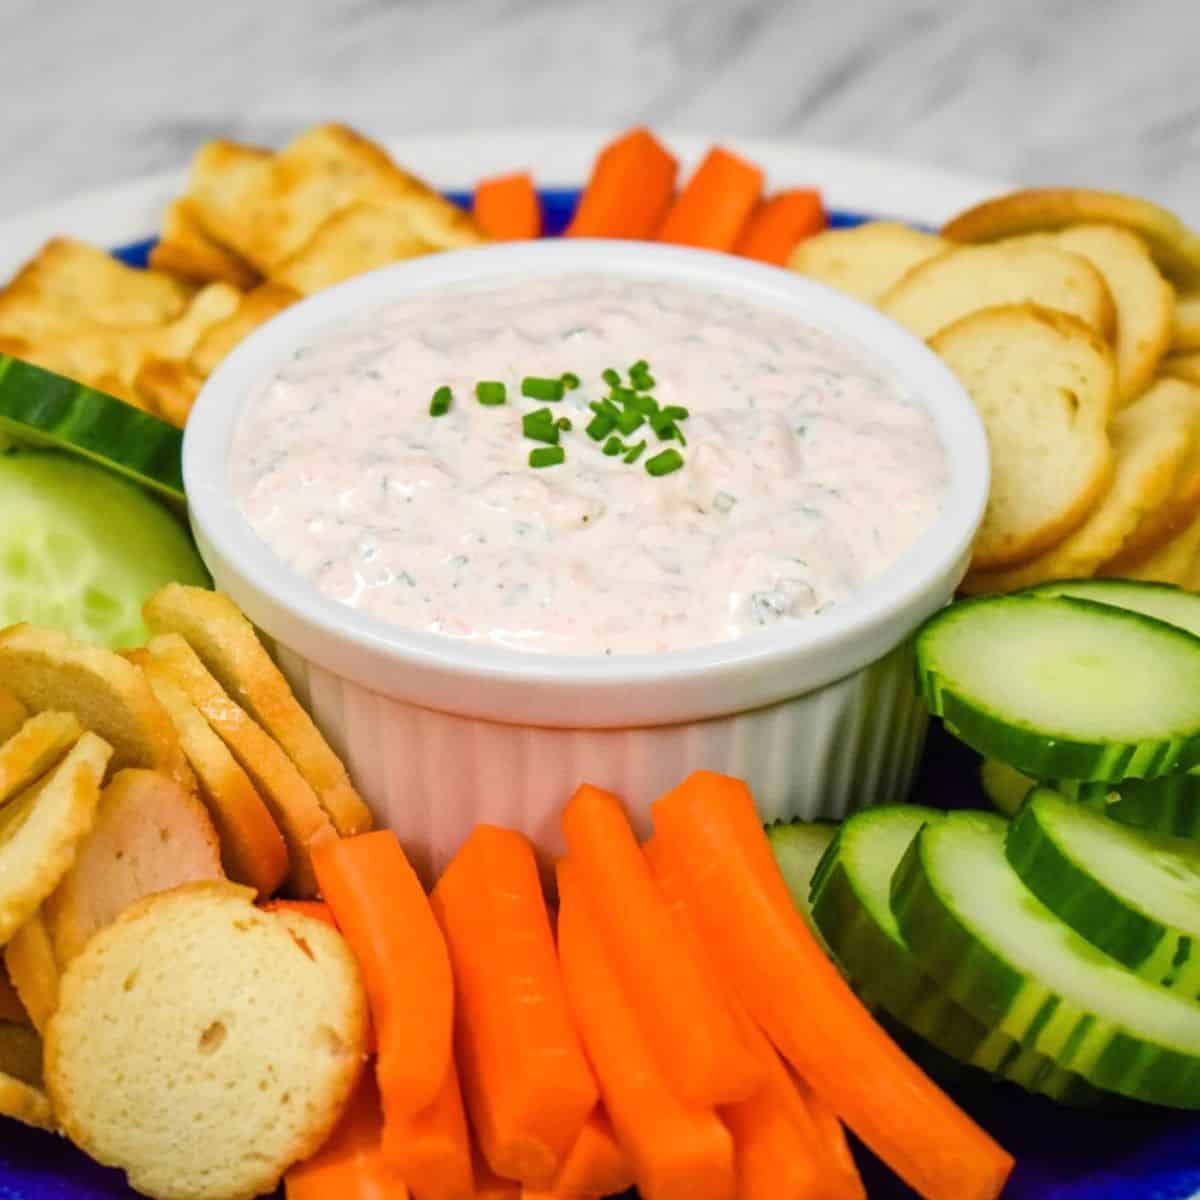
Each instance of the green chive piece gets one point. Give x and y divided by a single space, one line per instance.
677 412
547 456
664 463
605 408
439 406
646 405
679 435
614 446
640 367
635 452
643 381
600 426
630 420
539 426
542 389
622 395
564 423
611 377
663 426
569 380
491 392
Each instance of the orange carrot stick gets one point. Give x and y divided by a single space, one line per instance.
772 232
526 1081
595 1165
716 204
383 913
507 207
491 1187
315 909
677 1152
630 190
350 1165
431 1150
779 1149
712 834
686 1023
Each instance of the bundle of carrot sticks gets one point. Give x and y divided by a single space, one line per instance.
677 1028
632 194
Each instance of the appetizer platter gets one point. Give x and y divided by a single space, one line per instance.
562 667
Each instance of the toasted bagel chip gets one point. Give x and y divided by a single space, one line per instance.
1185 328
42 828
1151 438
22 1090
185 249
1177 512
255 308
267 208
227 644
1182 366
13 714
150 835
49 671
41 742
203 1045
1045 386
252 846
867 260
294 805
945 289
33 969
1175 561
1175 248
12 1010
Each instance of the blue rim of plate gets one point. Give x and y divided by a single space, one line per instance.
1128 1153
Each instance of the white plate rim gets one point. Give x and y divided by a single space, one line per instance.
850 180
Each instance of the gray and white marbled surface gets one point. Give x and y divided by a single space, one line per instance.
1105 92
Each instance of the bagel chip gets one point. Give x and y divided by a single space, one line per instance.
33 969
13 714
22 1090
868 259
1185 330
1182 366
185 249
40 743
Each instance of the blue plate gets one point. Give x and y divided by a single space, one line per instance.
1132 1152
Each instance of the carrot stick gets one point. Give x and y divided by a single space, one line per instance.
777 225
350 1165
690 1029
314 909
630 190
491 1187
526 1081
507 207
383 913
677 1152
431 1150
595 1165
779 1149
711 832
716 204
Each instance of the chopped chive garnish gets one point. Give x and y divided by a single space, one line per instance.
540 427
490 392
663 425
677 412
439 406
644 404
640 367
613 446
664 463
605 408
570 380
635 452
547 456
679 435
611 377
542 389
564 423
622 395
600 426
643 381
630 420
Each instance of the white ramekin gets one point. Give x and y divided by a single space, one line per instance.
819 716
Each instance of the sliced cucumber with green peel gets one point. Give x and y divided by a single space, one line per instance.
1162 601
798 847
1135 895
1004 786
851 907
81 549
1168 805
1064 688
45 409
992 944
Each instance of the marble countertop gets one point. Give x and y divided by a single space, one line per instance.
1105 92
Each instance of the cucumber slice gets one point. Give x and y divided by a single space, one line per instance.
1003 785
45 409
81 549
1132 894
852 909
1058 687
990 942
1162 601
798 847
1169 805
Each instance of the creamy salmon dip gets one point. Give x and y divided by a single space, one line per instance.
806 471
